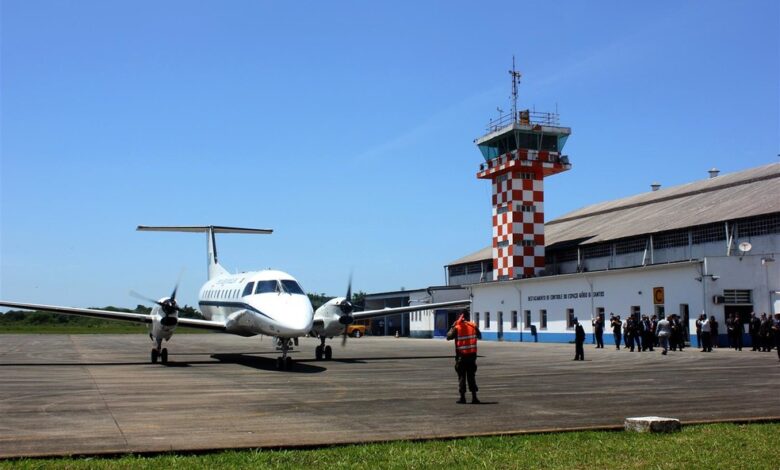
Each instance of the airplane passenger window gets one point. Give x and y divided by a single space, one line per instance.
265 287
292 287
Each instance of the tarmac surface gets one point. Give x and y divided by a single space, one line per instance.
98 394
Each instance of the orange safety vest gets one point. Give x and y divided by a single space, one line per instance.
466 342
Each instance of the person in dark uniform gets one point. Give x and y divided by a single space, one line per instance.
776 333
737 330
579 340
678 336
465 333
714 339
598 331
753 328
614 322
765 332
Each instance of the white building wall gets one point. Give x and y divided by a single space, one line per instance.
617 291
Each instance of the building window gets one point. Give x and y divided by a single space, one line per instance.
738 296
670 239
502 209
487 320
526 207
542 319
526 243
631 245
503 244
598 251
514 319
708 233
569 318
566 255
527 318
759 226
476 318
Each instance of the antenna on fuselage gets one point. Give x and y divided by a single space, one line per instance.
214 268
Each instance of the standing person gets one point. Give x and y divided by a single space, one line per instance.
664 331
698 329
465 333
715 340
637 333
614 322
598 331
737 331
706 338
648 335
765 332
753 328
628 332
678 336
776 333
579 339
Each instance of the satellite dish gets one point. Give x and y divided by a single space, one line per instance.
744 247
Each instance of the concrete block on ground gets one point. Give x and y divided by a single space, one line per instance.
652 424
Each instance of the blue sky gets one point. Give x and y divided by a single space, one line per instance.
347 127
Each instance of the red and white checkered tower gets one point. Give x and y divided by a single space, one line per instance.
520 150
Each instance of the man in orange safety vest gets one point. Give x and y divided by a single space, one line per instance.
465 333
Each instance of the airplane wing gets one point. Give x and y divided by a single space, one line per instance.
411 308
109 315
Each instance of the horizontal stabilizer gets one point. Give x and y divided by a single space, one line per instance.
202 229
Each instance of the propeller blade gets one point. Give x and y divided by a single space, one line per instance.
176 286
143 297
344 338
349 289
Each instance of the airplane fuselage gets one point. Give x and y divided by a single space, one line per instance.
257 303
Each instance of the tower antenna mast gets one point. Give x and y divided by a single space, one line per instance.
515 81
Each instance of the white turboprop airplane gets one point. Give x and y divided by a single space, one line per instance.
253 303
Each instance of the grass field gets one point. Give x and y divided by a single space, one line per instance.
726 446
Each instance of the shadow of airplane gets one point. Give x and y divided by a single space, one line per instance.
363 360
265 363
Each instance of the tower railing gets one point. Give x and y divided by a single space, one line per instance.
526 117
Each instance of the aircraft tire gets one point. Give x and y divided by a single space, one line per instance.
279 363
318 353
328 353
288 363
154 356
164 356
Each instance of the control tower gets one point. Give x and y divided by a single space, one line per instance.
520 150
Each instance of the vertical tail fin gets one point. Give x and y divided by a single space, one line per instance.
214 268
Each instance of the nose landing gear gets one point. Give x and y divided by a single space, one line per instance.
284 362
159 352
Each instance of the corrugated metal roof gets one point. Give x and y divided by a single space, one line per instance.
748 193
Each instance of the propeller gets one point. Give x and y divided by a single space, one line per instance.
168 305
346 311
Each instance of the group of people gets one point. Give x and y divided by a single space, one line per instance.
643 334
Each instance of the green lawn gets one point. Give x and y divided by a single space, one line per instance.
726 446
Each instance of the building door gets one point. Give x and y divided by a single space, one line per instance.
500 326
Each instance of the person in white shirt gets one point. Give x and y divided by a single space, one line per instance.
706 337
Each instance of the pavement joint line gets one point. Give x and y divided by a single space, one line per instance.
100 394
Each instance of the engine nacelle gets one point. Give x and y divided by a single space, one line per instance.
163 325
327 319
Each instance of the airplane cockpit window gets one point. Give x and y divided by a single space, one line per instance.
292 287
266 287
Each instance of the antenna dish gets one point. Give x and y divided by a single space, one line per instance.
744 247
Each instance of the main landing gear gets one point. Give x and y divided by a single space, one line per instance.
322 351
284 362
159 352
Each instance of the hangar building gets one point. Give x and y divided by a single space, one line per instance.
707 246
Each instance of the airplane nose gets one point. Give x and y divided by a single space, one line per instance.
298 316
